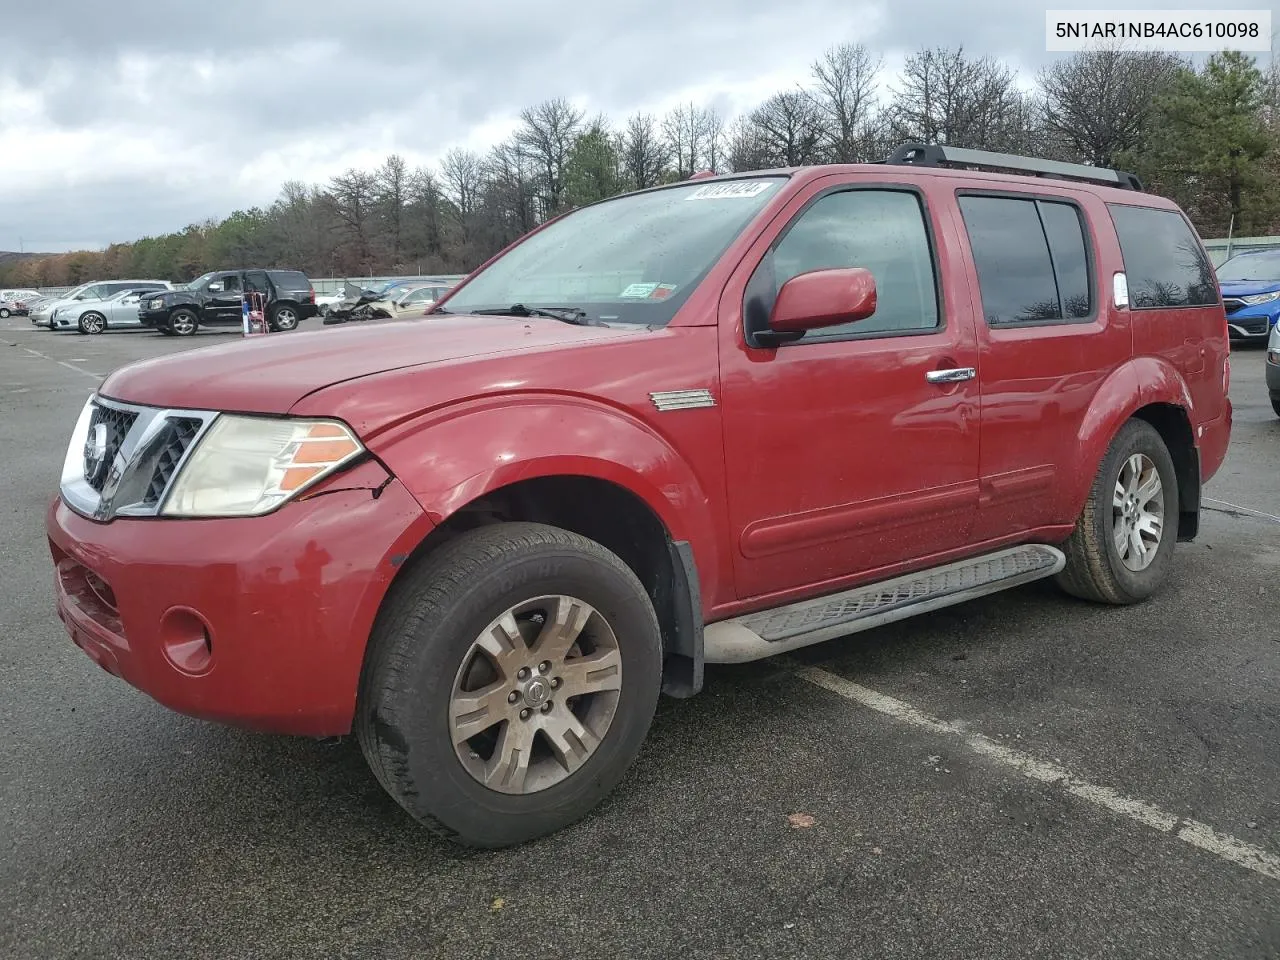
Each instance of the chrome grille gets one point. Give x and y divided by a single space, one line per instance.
117 423
143 447
181 431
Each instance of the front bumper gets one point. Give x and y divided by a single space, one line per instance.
258 622
1253 323
1273 368
150 318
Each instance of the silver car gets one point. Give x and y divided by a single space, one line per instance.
97 316
86 293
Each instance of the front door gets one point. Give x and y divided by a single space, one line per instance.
855 448
225 304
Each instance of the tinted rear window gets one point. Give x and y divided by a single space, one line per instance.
1032 262
289 279
1163 261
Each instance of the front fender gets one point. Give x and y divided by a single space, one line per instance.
450 457
1130 387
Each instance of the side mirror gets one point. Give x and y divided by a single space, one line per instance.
822 298
214 288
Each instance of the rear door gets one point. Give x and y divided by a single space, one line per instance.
1174 301
1049 340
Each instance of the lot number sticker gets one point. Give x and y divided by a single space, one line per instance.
733 190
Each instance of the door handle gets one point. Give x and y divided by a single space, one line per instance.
954 375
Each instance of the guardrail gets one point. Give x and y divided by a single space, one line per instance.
322 284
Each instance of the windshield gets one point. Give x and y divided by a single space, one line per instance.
199 282
72 294
634 259
1251 266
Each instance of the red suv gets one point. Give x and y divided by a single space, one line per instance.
703 423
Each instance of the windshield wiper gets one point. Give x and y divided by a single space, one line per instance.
573 315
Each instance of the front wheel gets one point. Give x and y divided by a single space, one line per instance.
510 681
183 323
1123 543
1275 403
4 313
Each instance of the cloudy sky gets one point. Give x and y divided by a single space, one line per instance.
137 117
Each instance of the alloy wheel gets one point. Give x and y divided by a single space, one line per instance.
535 695
1137 508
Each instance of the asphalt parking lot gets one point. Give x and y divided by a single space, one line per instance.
1022 775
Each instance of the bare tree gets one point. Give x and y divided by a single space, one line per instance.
645 156
845 94
1097 102
353 197
547 134
787 130
713 129
693 135
949 98
393 186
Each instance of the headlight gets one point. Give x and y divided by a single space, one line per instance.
246 466
1257 298
157 304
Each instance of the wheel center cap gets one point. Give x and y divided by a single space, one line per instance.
536 692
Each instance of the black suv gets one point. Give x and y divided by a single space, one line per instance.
215 300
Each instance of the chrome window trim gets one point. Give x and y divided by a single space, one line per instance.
148 429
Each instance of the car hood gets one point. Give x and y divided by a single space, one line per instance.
269 374
1248 288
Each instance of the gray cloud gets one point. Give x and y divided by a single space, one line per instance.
140 116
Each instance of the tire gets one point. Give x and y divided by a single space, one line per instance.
426 637
1275 404
4 313
284 318
183 322
92 323
1096 569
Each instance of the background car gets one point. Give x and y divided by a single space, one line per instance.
16 302
409 298
1250 284
98 316
91 292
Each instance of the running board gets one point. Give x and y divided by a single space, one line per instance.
796 625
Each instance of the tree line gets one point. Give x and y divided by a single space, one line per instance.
1207 136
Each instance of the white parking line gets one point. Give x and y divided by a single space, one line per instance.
1248 510
64 363
1192 832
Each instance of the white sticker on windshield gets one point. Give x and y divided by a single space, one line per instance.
638 291
731 190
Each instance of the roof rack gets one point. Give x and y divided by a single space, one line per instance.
933 155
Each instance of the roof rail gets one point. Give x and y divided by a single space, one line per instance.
933 155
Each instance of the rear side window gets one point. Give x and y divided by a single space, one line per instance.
1163 261
1031 257
881 230
289 279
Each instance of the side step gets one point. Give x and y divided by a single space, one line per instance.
796 625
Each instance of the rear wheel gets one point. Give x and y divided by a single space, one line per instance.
92 323
1275 404
1123 543
510 681
284 318
183 322
4 313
